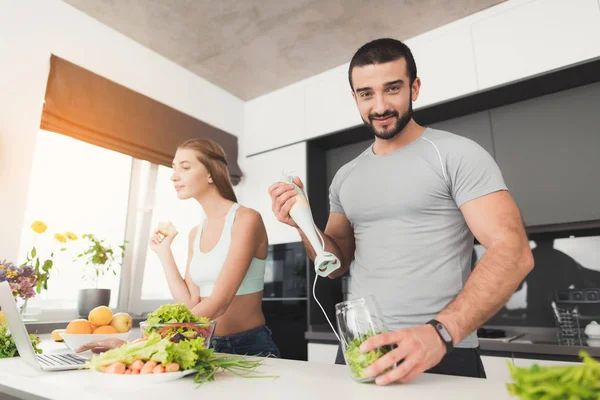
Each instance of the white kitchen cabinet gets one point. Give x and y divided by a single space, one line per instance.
322 353
534 38
330 106
260 172
274 120
445 64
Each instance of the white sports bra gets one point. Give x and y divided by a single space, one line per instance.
205 267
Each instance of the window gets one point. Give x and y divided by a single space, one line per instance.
81 188
184 214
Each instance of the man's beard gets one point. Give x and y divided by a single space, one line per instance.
394 130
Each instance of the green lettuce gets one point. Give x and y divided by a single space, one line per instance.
359 361
155 348
189 354
172 313
8 348
580 381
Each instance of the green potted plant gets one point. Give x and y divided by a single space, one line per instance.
100 259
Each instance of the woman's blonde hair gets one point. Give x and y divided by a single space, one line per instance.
212 156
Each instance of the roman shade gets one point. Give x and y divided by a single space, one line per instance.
88 107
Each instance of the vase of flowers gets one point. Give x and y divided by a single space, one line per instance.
100 258
22 281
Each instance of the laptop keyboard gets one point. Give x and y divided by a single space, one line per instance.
53 360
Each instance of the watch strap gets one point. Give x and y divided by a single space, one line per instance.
443 333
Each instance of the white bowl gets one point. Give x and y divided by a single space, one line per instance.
75 341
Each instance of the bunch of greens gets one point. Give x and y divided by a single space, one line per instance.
554 383
189 354
359 361
180 318
8 348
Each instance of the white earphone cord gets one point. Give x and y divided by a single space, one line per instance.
315 296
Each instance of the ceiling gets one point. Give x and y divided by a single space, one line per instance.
252 47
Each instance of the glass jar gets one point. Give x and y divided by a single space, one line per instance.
357 321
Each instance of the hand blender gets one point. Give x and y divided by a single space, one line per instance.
325 262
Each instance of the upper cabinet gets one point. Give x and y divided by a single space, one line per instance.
330 106
548 151
535 37
445 64
274 120
260 172
476 127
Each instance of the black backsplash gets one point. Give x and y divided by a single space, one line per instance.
560 263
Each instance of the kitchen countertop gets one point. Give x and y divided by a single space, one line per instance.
296 380
529 344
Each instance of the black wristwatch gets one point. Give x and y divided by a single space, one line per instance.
444 335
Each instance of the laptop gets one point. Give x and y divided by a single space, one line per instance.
44 362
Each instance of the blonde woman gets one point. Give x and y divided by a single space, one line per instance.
224 277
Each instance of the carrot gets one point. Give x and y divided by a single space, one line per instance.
159 369
137 365
115 368
148 367
172 367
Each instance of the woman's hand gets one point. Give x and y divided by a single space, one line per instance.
161 244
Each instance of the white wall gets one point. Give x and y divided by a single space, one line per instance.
502 44
29 32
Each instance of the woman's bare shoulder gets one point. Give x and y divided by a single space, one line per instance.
250 217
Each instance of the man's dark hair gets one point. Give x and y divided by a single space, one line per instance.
381 51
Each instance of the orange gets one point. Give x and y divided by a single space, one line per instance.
55 335
79 326
104 329
100 315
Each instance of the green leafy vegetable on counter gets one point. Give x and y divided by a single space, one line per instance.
172 313
580 382
188 354
175 314
8 348
359 361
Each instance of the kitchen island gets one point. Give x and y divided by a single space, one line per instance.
296 380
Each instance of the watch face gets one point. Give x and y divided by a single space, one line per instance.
444 332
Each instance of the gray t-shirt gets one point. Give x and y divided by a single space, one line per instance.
413 246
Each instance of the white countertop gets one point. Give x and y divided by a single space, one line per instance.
297 380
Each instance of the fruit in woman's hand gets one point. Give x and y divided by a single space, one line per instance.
122 322
166 228
79 326
100 315
56 335
104 329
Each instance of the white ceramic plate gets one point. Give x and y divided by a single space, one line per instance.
74 341
136 380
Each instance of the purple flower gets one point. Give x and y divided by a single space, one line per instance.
22 280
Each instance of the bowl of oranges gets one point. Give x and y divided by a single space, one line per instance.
100 325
